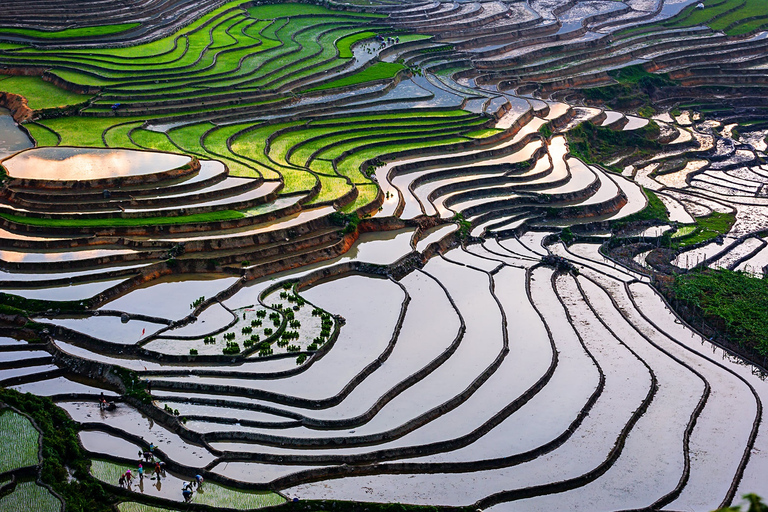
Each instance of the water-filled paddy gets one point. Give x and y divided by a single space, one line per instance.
12 139
83 164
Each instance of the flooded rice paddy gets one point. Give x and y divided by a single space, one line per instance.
84 164
288 348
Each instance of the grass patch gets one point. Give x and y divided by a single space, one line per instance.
18 439
366 194
345 43
16 304
68 33
83 131
633 89
379 71
30 497
132 506
39 93
708 228
117 136
152 140
484 133
732 302
268 12
331 189
596 145
42 136
654 210
684 231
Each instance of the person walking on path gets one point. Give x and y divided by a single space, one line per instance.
141 472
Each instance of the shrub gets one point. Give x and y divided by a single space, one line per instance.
301 358
732 302
231 348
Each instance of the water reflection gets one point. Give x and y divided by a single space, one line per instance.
65 164
12 139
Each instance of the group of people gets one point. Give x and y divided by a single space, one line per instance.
188 490
148 457
388 40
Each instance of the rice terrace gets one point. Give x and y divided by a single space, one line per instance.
383 255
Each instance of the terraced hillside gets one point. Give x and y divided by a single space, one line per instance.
387 251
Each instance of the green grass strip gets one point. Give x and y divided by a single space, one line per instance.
84 131
39 93
654 210
268 12
484 133
153 140
345 43
709 227
42 136
366 194
18 442
379 71
30 497
733 302
68 33
199 218
332 189
117 136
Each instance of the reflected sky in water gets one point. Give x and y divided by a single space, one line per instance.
66 164
12 139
